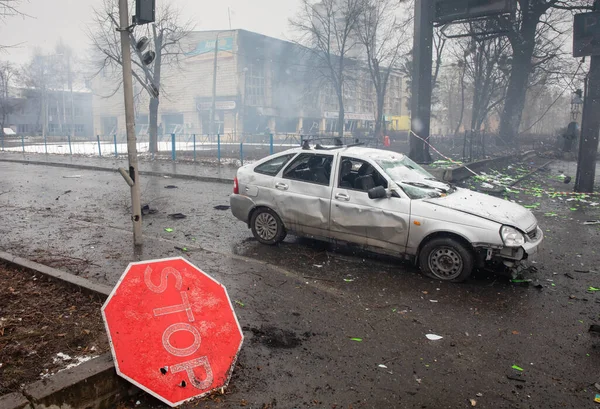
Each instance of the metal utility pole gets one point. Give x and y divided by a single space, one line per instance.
421 81
213 107
70 80
590 126
134 183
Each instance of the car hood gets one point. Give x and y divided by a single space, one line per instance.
487 207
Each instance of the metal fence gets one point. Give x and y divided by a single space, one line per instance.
237 148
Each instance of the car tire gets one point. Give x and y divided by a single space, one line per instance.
267 227
446 259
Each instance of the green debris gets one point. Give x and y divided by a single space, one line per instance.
518 368
520 281
349 280
356 339
532 206
550 214
593 289
168 229
573 208
553 285
241 304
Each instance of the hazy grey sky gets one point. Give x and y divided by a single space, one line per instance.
67 19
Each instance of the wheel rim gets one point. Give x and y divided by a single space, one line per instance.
266 226
445 263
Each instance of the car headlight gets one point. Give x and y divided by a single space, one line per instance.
512 237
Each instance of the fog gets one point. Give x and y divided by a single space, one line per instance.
51 20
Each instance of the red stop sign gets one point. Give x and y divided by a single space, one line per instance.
172 330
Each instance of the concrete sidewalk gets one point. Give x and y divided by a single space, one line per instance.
199 170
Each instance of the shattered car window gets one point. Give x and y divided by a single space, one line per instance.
412 178
309 167
273 166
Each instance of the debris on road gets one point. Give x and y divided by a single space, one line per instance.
146 210
593 289
241 304
433 337
184 249
72 177
515 378
597 398
168 229
591 222
177 216
569 275
517 367
222 207
356 339
171 187
64 193
473 402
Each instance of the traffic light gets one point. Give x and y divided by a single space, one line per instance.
145 11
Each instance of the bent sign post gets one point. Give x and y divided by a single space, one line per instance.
172 330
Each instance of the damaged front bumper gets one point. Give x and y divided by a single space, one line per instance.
511 256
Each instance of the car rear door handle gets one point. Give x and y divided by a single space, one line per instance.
281 186
342 196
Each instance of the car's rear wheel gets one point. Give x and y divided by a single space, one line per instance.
446 259
267 227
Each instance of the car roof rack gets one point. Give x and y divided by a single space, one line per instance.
337 141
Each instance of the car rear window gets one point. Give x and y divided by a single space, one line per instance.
273 166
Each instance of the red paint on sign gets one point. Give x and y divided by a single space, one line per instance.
172 329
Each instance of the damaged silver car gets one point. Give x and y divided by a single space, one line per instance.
383 202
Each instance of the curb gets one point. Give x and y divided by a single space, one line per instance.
92 385
81 283
105 169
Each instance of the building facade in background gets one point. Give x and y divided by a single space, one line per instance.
35 110
263 85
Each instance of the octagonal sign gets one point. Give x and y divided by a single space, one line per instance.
172 330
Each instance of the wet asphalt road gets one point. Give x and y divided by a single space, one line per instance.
324 296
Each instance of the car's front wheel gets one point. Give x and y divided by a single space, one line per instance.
446 259
267 227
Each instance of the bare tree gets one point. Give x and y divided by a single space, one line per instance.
39 74
65 76
484 60
10 8
385 40
328 30
166 35
8 105
535 22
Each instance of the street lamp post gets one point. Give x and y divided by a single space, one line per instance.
213 106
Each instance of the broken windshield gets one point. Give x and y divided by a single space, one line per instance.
413 179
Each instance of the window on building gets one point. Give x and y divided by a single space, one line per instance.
172 123
109 125
255 85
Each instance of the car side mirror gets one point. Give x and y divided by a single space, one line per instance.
377 192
